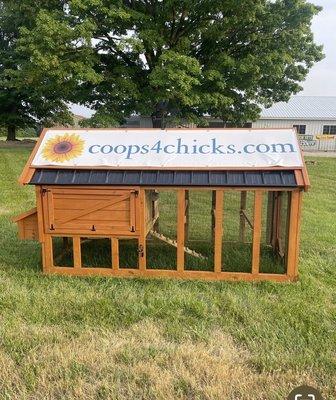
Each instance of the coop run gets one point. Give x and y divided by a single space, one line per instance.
220 204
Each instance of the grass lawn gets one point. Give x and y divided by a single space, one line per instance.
100 338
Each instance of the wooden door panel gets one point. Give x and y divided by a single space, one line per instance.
94 211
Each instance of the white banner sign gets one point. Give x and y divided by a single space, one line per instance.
152 148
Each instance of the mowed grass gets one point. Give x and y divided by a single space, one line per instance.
100 338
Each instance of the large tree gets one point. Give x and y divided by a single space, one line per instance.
180 59
28 96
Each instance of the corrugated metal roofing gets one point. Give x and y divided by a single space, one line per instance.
276 178
303 107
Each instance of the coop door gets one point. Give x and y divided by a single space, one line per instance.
90 211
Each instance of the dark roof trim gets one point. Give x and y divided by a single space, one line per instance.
276 178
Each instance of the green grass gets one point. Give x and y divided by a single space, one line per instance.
100 338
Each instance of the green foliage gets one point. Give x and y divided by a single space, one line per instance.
24 101
36 81
178 59
172 59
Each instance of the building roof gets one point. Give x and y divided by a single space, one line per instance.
277 178
303 107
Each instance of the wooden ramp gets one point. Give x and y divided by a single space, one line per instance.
174 243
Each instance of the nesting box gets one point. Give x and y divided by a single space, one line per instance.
140 187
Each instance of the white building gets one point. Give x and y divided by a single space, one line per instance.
314 117
311 115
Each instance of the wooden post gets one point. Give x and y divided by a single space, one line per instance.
46 248
115 253
242 224
213 207
294 234
77 254
218 231
258 196
47 254
187 204
180 229
143 233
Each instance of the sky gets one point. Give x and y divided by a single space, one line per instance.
321 80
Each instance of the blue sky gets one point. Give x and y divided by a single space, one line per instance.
321 80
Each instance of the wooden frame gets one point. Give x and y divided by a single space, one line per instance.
117 270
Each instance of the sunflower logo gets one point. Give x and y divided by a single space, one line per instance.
63 148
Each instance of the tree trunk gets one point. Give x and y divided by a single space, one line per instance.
11 132
158 116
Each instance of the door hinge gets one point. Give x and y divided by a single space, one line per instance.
136 193
141 250
44 191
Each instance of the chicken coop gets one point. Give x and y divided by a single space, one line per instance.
218 204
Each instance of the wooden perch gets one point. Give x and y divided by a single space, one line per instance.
173 243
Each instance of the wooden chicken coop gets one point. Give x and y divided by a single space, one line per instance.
221 204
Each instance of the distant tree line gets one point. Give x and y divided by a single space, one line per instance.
173 59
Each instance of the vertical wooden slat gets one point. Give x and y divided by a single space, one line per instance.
143 233
132 211
180 228
288 205
258 196
50 200
47 254
46 250
218 231
296 267
115 253
242 222
187 204
213 207
293 234
39 208
77 254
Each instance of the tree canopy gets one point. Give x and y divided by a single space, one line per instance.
175 59
28 97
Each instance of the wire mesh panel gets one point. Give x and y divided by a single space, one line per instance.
62 251
161 241
96 253
129 253
238 214
274 238
199 254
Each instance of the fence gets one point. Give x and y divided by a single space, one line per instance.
318 143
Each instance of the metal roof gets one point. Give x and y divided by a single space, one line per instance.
276 178
303 107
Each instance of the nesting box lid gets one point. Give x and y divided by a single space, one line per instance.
167 150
